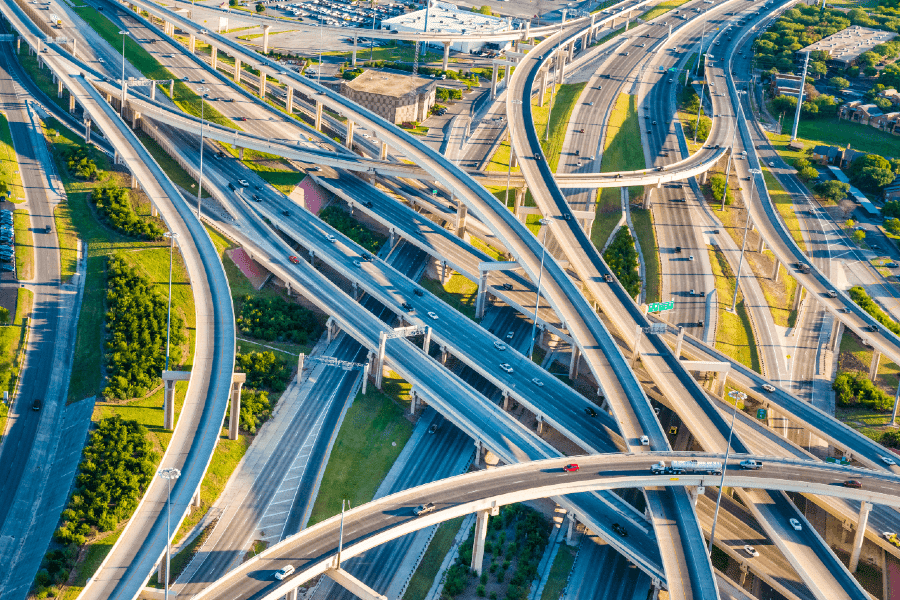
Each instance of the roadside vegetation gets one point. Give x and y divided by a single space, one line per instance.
622 258
560 115
661 9
646 235
24 245
12 345
734 334
10 179
276 319
428 568
353 229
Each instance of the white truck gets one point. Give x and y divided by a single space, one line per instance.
677 467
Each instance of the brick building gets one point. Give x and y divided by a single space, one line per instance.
395 97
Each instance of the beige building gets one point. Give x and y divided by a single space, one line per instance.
397 98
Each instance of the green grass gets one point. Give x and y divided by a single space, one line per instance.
856 357
388 53
11 343
560 114
24 245
423 578
275 170
785 205
181 559
42 77
500 159
185 98
86 567
459 293
559 573
643 226
834 132
662 8
9 164
372 435
734 335
611 35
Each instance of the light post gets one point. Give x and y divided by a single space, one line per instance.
509 167
124 34
537 301
737 397
731 157
372 41
172 236
169 475
737 280
202 91
559 62
702 93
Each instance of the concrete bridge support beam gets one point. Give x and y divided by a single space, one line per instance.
494 82
481 525
265 46
171 88
331 329
679 342
762 245
543 92
234 419
445 354
864 509
237 70
262 85
379 360
353 58
461 212
59 88
873 366
481 297
776 271
353 585
214 56
446 60
318 124
289 99
71 103
384 150
574 362
351 127
192 43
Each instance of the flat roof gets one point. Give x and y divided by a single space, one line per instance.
847 44
387 84
446 18
857 195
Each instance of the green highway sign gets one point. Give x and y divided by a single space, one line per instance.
760 413
661 306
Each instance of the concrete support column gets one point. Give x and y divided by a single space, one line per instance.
426 343
59 88
241 153
18 44
353 59
540 424
291 594
481 296
379 360
169 405
444 273
574 361
234 419
461 211
301 361
505 403
861 523
192 43
384 150
266 29
214 57
237 70
135 119
413 401
87 128
161 570
679 342
776 271
519 199
762 245
330 329
318 123
873 366
446 60
545 79
571 530
171 88
153 92
262 85
351 127
481 525
71 103
494 82
445 354
289 99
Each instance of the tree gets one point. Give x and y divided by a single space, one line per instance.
891 209
232 2
871 172
260 8
859 235
834 191
817 69
800 163
808 173
784 103
883 103
868 59
839 83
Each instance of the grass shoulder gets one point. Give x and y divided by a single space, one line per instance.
734 334
24 245
10 177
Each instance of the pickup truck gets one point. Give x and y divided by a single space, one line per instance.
751 464
424 509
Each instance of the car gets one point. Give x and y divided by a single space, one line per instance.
283 572
510 334
872 328
590 103
852 483
590 411
571 468
500 346
506 367
36 404
620 531
750 464
888 461
424 509
100 60
232 187
432 316
831 294
892 538
418 292
751 551
507 286
654 122
568 216
768 387
357 263
645 441
407 306
294 259
256 198
537 157
286 213
677 249
537 382
330 238
796 524
47 229
240 118
691 257
185 79
244 183
433 428
368 204
607 278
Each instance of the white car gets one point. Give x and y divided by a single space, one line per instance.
645 441
330 238
500 346
751 551
506 367
537 382
432 316
888 461
244 182
284 572
796 525
768 387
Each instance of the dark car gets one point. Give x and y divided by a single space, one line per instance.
872 328
286 213
852 483
368 204
418 292
36 404
620 530
590 411
407 307
507 286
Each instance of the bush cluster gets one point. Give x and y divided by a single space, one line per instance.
264 370
717 185
832 190
622 259
859 295
136 332
80 164
352 228
891 439
460 75
442 94
351 74
114 205
276 319
856 389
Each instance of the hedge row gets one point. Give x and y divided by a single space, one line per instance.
859 295
856 389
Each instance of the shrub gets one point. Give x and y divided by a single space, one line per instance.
352 228
114 205
832 190
136 332
717 185
622 259
801 163
808 173
859 235
857 389
859 295
276 319
255 409
480 591
79 164
264 370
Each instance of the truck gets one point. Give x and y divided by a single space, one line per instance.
751 464
677 467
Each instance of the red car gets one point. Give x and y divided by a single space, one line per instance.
294 259
852 483
570 468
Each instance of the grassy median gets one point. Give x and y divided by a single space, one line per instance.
428 568
559 115
734 334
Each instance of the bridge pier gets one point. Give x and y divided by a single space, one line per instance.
318 124
446 60
289 99
540 424
331 329
678 343
461 212
519 199
135 119
426 340
445 354
59 88
574 361
776 271
384 150
237 70
265 46
543 92
481 296
505 402
494 82
87 126
351 126
481 525
353 57
413 401
234 419
762 245
873 366
214 57
571 530
262 85
861 523
379 360
192 43
171 88
169 378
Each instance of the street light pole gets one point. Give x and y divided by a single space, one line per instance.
559 63
737 280
169 475
202 91
537 301
731 156
736 396
508 167
172 236
123 33
702 94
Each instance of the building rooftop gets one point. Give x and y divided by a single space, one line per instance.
387 84
446 18
846 45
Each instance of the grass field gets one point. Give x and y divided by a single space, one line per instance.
11 339
856 357
24 245
785 206
834 132
459 293
42 77
559 573
563 104
734 334
372 435
500 159
9 164
643 226
662 8
427 570
176 172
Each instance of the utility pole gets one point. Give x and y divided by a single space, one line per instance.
737 280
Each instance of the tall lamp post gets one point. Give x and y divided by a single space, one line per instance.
202 91
731 156
559 63
702 93
172 236
169 475
124 34
737 280
537 301
737 397
510 161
